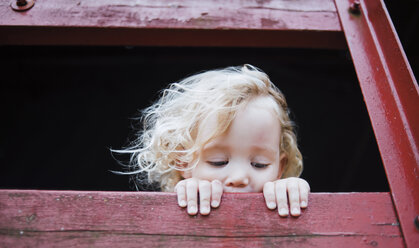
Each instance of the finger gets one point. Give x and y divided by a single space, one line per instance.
181 193
294 197
204 197
192 196
216 193
281 197
269 194
304 190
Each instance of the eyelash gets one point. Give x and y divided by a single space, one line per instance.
217 163
222 163
259 165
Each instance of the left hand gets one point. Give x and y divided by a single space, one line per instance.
293 190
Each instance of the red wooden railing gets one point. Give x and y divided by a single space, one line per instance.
48 218
130 219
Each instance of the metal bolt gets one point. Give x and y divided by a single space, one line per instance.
21 3
355 7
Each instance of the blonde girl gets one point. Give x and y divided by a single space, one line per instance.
225 130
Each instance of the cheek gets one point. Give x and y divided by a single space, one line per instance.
262 177
205 172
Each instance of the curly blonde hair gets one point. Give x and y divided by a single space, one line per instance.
170 137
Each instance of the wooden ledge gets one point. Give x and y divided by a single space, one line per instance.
32 218
281 23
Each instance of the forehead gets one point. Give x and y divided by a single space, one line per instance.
256 122
261 103
258 119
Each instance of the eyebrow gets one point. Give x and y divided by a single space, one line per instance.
210 146
264 149
259 148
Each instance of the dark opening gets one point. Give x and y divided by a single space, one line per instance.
64 107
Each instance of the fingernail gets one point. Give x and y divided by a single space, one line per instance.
271 205
214 203
295 211
303 204
205 210
283 212
192 210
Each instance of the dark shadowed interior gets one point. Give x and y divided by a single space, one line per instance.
64 107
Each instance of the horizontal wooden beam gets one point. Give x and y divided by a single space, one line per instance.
253 23
30 218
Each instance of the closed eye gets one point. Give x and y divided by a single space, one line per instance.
259 165
217 163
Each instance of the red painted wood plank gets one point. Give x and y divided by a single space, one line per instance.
66 218
108 239
392 97
310 23
207 14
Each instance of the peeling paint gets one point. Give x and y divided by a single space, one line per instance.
15 195
31 218
386 224
270 23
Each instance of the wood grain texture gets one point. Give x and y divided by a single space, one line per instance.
70 218
189 22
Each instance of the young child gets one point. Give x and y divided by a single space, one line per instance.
224 130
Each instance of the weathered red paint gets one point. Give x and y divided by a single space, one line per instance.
174 23
391 94
389 87
30 218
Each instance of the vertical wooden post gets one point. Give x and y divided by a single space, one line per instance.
391 94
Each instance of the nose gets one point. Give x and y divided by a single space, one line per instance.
238 179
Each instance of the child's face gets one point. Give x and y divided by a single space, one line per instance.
246 156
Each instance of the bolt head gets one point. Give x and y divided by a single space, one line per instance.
22 5
355 8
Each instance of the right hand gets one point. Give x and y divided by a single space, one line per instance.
209 195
